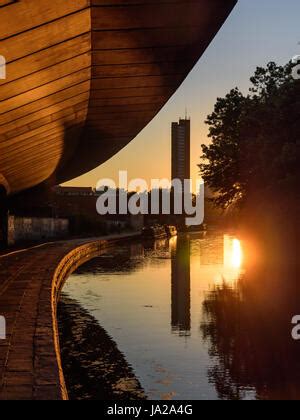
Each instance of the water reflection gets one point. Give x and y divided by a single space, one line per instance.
178 251
235 315
233 252
248 328
181 288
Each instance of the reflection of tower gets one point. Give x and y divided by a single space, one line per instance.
181 288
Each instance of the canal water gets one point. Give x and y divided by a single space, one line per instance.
193 319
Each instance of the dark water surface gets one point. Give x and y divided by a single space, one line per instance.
194 318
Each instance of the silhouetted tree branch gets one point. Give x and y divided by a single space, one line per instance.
255 139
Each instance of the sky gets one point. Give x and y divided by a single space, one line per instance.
257 31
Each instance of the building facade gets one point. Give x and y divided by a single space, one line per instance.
181 149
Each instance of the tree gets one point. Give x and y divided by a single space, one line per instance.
255 139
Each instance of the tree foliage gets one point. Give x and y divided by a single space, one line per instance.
255 138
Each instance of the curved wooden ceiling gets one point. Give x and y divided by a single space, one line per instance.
84 77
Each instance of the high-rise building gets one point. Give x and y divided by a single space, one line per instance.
181 149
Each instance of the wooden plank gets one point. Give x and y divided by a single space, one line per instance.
124 131
44 91
121 117
52 100
38 156
35 13
6 2
19 182
147 38
40 143
134 92
93 139
122 109
136 82
11 145
62 116
34 177
44 77
138 55
47 112
47 36
109 125
127 101
128 70
49 57
130 2
138 15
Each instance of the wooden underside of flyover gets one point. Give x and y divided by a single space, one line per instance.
84 77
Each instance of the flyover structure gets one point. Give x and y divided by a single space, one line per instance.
84 77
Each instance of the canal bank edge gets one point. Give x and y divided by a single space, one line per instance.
67 266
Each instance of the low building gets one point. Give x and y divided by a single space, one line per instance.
75 191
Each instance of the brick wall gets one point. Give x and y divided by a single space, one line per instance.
24 229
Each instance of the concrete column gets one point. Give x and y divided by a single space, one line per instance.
3 218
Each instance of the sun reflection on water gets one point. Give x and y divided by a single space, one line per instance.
233 260
233 252
237 254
